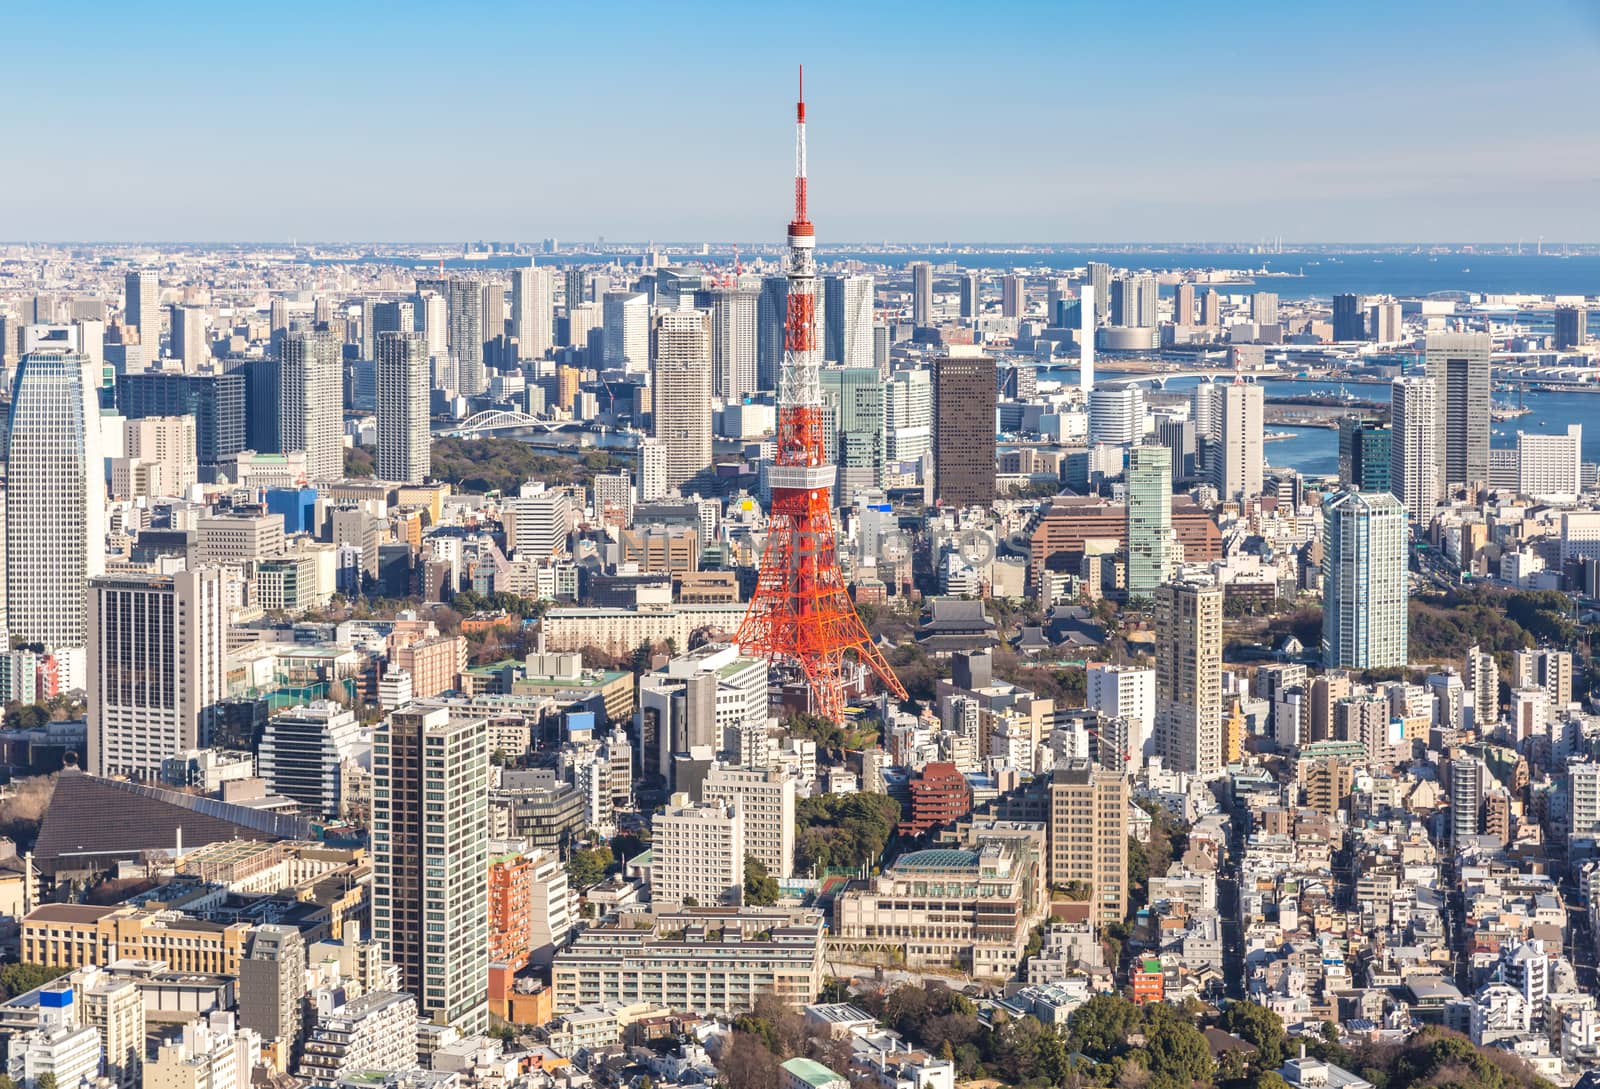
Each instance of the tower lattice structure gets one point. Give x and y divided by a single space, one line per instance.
801 612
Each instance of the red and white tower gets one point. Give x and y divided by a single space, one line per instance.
801 613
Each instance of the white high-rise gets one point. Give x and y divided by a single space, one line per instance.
627 331
533 311
402 380
652 470
311 401
157 668
1413 445
1127 692
1116 415
733 343
1548 466
1240 457
1364 587
681 392
697 853
908 415
848 336
55 504
142 309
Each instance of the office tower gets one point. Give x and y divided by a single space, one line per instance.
1149 519
681 391
1211 308
627 330
272 987
55 521
586 332
1125 692
1347 323
1572 327
770 309
1183 304
1549 465
880 348
1458 363
1189 677
1116 415
847 338
402 366
533 312
158 457
733 341
216 401
1364 454
1544 668
1133 301
908 415
1013 296
494 312
157 666
1384 321
398 316
697 854
921 293
573 288
538 522
311 414
1098 277
1087 838
1264 308
963 431
467 333
1179 437
301 752
1413 445
191 344
1086 306
278 316
968 283
142 309
855 396
1364 548
1239 459
765 799
430 849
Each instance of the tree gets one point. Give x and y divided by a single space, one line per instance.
21 978
587 868
760 888
1101 1026
1178 1055
1260 1026
747 1064
46 1080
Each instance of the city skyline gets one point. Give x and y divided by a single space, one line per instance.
1242 112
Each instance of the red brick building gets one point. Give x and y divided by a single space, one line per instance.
940 796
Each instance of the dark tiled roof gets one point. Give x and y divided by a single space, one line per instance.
102 820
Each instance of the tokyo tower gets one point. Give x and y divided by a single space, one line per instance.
801 613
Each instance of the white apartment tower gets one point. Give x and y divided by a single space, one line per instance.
765 798
1413 446
681 392
311 401
533 311
157 666
697 854
402 380
1240 458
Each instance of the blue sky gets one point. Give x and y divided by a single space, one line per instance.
929 121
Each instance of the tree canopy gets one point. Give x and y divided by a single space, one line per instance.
843 831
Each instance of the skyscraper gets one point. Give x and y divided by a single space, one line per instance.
1013 296
533 311
1572 327
847 338
1189 677
969 294
733 341
142 309
216 401
1458 363
1550 465
963 431
1264 308
1363 581
464 341
681 391
1133 302
1098 274
1413 445
1363 454
430 848
1384 322
921 293
191 345
855 396
272 985
1087 840
1149 519
402 371
157 668
1211 308
627 326
55 504
310 404
1239 459
1183 304
1116 415
908 415
1347 323
771 307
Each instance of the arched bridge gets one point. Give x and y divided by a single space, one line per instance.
499 419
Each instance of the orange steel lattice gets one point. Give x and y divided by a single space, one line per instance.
801 611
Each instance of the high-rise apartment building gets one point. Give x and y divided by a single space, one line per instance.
1013 296
403 438
1149 519
1211 308
697 854
464 342
1183 304
191 343
921 293
1088 838
302 752
533 311
1458 363
1364 454
272 987
1189 677
1264 308
1413 445
430 847
1133 302
142 309
1545 668
1240 459
1125 692
55 498
963 431
681 392
1385 320
847 336
626 318
1572 327
1347 318
1364 589
311 412
157 667
733 340
968 283
1550 465
765 798
908 415
1098 274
